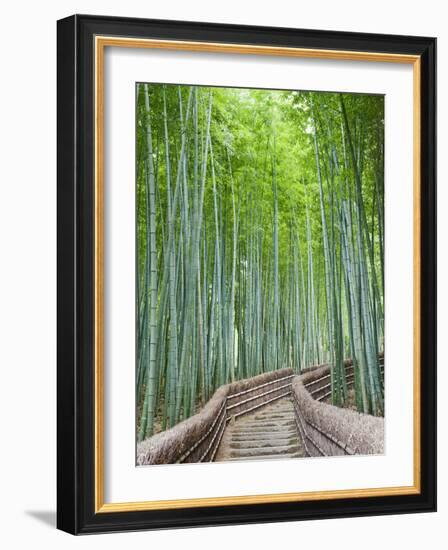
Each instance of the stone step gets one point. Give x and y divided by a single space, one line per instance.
264 429
265 451
265 443
261 436
271 417
265 424
266 457
285 409
277 408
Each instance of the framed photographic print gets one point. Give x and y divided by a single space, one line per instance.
246 274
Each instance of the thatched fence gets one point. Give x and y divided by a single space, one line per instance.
197 438
326 430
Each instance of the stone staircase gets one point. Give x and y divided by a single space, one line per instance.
269 433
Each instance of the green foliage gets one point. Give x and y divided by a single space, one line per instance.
266 211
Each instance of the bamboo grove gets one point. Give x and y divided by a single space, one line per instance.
260 232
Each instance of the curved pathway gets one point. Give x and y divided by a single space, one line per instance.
268 433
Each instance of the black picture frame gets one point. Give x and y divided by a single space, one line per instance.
76 272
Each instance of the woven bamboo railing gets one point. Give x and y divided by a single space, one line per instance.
197 438
327 430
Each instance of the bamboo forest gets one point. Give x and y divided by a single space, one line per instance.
260 244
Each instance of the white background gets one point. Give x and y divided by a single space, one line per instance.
123 481
27 275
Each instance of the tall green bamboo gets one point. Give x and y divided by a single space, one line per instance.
260 231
